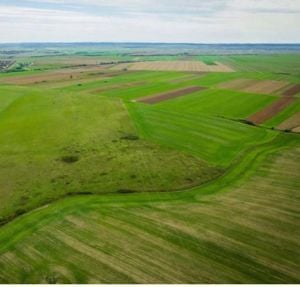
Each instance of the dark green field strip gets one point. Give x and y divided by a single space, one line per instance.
214 139
247 235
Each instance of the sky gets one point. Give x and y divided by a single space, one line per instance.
169 21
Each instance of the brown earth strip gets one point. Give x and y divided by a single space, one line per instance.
291 124
60 75
294 90
271 110
170 95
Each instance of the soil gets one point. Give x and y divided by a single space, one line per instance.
294 90
271 110
170 95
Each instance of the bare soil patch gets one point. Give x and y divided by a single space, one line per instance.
291 124
294 90
170 95
271 110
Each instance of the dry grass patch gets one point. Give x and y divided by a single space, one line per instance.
237 84
184 66
291 124
266 87
254 86
56 76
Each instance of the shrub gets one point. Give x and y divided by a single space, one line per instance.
129 137
70 158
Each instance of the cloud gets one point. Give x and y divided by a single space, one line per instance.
150 20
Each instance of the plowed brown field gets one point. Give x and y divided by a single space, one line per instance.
294 90
170 95
271 110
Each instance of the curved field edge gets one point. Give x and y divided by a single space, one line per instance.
213 139
247 235
236 175
242 159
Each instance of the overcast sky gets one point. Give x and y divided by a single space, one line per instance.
196 21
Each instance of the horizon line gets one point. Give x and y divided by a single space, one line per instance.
152 42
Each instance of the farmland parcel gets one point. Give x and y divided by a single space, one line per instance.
130 165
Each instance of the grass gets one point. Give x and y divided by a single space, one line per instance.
42 134
286 64
216 102
97 188
213 139
276 64
117 239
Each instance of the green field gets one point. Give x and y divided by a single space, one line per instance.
97 187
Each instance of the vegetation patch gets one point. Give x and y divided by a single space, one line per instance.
130 137
70 158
